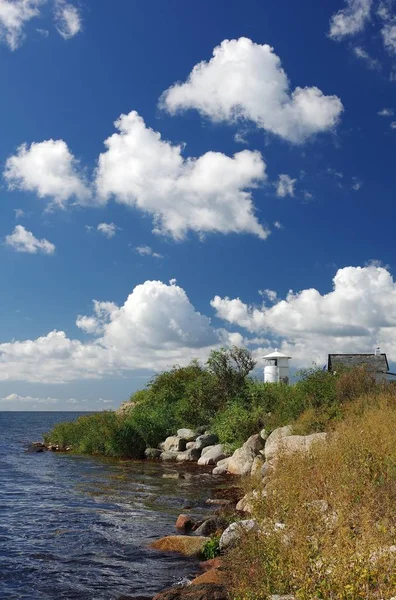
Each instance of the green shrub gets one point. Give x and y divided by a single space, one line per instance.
104 433
236 423
211 548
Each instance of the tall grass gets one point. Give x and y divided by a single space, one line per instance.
337 504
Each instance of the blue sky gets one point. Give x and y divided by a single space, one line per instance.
185 166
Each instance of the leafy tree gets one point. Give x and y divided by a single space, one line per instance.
230 367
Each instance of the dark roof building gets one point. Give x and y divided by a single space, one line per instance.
376 362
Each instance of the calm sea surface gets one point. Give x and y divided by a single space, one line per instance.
79 527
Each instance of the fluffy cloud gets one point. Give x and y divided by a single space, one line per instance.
351 19
35 403
67 19
107 229
156 327
285 186
245 81
389 36
49 169
147 251
205 194
357 315
23 240
14 14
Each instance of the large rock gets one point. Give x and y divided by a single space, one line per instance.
187 434
203 591
184 523
207 439
152 453
169 456
274 438
235 531
212 454
292 443
246 504
191 455
210 526
183 544
174 444
241 461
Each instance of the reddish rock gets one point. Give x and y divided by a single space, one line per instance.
212 563
215 576
184 523
183 544
203 591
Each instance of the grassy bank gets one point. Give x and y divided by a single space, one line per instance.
337 507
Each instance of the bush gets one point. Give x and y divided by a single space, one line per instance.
211 548
236 423
337 505
104 433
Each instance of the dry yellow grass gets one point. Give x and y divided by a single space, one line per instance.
338 507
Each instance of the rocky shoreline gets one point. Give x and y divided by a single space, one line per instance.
257 458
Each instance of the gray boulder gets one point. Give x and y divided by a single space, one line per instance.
207 439
169 456
190 445
274 438
212 454
174 444
292 443
210 526
152 453
241 461
187 434
191 455
235 531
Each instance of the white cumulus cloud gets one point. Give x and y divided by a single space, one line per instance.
246 81
155 328
206 194
386 112
285 186
23 240
49 169
357 315
147 251
67 19
107 229
351 19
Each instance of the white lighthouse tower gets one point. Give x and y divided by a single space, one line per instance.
276 367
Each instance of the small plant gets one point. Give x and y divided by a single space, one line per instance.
212 548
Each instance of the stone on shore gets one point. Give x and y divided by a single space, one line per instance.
291 443
222 467
182 544
169 456
203 591
212 454
184 523
210 526
241 461
235 531
174 444
257 465
191 455
187 434
152 453
207 439
215 576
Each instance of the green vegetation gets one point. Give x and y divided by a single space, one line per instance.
220 396
212 548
